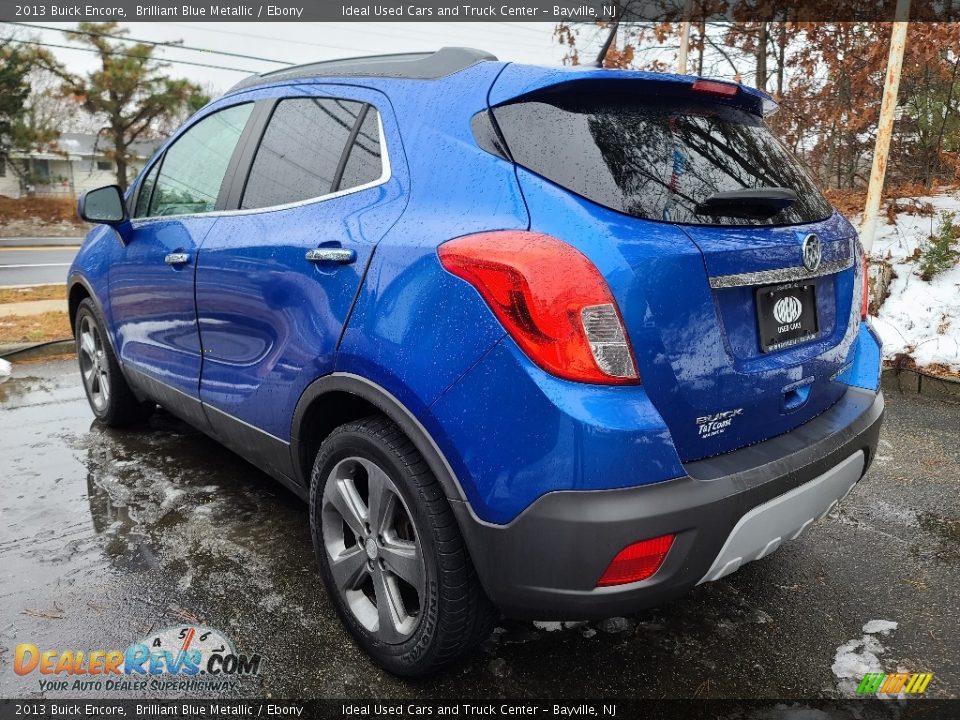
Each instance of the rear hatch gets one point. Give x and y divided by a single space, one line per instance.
739 306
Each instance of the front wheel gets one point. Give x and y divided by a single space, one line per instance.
390 552
111 399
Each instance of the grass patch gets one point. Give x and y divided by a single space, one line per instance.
34 328
40 292
938 254
45 210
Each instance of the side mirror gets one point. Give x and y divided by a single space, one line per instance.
103 205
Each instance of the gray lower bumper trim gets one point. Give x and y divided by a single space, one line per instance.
765 528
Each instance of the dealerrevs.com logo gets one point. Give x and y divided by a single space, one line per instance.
187 657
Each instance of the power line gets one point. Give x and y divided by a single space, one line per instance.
261 37
364 28
91 33
122 54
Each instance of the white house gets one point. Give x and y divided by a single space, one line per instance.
75 163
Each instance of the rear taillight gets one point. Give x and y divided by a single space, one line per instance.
865 287
637 562
552 301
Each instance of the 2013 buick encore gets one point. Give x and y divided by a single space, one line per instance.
558 343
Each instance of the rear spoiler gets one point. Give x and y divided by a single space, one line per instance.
517 82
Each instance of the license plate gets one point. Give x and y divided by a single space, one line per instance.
787 315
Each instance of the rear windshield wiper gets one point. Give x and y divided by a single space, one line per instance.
750 203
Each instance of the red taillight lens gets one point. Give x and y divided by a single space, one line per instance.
637 562
865 287
552 301
714 87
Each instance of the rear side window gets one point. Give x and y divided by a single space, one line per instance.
655 159
300 155
364 164
193 167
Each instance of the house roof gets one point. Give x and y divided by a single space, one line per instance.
81 145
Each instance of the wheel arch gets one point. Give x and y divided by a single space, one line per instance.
335 399
79 291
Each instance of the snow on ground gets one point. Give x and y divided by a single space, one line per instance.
5 368
919 318
860 656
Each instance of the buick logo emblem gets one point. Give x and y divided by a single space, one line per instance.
787 310
812 253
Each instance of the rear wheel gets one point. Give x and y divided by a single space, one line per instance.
111 399
390 552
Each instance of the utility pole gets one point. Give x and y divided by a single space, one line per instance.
888 106
684 38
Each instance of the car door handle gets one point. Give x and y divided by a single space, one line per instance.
331 255
177 258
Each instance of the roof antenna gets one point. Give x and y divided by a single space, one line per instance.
606 46
613 33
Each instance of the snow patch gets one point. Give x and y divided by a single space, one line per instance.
879 626
857 657
554 626
548 625
919 318
5 368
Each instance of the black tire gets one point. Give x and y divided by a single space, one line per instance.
109 395
454 615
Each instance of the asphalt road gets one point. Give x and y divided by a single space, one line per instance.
107 537
24 265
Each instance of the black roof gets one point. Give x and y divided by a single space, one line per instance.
414 66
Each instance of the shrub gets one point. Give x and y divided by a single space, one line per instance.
939 253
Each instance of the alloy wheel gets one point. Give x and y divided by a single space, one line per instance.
375 558
93 363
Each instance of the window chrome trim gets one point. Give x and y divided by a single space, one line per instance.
386 173
780 275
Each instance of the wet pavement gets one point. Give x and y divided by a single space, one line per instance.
108 537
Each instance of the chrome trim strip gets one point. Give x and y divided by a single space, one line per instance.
205 406
780 275
208 406
385 175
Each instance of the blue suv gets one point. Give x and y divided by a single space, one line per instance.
557 343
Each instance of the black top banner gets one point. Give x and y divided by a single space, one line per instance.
589 11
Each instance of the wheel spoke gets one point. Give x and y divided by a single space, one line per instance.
104 385
380 499
403 560
343 498
87 376
349 568
87 345
388 606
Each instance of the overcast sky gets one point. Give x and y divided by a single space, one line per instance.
305 42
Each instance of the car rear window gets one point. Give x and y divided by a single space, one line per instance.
655 158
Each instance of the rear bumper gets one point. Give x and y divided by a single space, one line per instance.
726 511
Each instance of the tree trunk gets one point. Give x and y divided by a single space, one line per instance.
703 44
781 55
120 152
762 57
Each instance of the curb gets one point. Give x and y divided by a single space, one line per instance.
66 242
921 383
35 351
